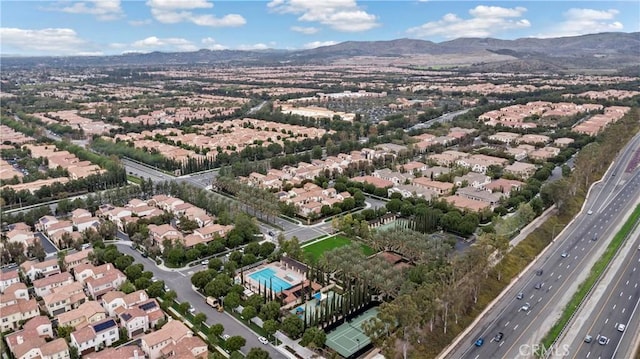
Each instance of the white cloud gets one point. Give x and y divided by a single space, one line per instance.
259 46
50 42
140 22
585 21
340 15
485 21
211 44
305 30
176 11
102 9
314 44
168 44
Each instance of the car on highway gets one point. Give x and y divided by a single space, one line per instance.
588 339
479 342
538 285
263 340
498 336
539 272
520 296
603 340
525 307
621 327
564 255
590 212
595 237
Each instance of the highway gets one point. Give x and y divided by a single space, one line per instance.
614 302
564 264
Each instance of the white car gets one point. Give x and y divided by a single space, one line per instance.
621 327
226 336
263 340
525 307
192 310
205 262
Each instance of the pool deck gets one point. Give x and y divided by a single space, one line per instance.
288 275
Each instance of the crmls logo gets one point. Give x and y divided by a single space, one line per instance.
531 350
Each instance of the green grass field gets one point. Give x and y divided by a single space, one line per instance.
315 250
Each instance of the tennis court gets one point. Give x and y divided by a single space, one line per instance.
349 338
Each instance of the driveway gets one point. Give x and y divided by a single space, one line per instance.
181 283
48 246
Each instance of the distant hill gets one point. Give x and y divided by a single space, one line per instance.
593 51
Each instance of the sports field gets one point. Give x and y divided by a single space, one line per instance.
315 250
349 338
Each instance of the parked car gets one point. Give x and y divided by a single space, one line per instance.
263 340
192 310
205 262
226 336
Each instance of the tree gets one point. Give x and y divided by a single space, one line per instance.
235 343
249 312
170 296
156 289
232 300
216 329
65 332
313 337
134 271
199 318
271 310
293 326
270 326
127 287
73 352
219 286
257 353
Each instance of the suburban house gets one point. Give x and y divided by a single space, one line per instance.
475 180
408 190
8 278
125 352
87 313
60 226
32 269
117 299
169 336
12 315
64 299
476 194
95 336
521 169
14 293
135 321
111 280
44 286
504 185
163 232
441 188
31 341
77 258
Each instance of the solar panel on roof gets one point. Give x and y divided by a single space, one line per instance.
104 325
126 316
147 306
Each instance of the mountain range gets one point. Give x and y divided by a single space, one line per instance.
603 51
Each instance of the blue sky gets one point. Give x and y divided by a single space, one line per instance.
106 27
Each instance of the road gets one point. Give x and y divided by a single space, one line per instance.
180 281
617 302
522 329
444 118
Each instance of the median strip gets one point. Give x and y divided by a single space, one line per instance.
583 290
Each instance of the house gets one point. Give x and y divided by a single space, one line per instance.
480 195
544 153
108 282
395 177
12 315
44 286
163 232
408 191
413 166
434 172
83 223
33 269
125 352
115 299
521 169
467 204
95 336
209 232
25 343
87 313
45 222
28 344
504 137
375 181
517 153
26 237
475 180
75 259
534 139
14 293
563 142
60 226
135 321
170 334
64 299
504 185
80 213
153 310
480 163
8 278
439 187
190 347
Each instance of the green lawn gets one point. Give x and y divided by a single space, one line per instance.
315 250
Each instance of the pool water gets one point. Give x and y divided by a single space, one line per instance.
267 277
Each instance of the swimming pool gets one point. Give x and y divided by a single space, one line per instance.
267 277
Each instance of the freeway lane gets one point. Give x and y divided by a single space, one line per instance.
617 305
523 328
